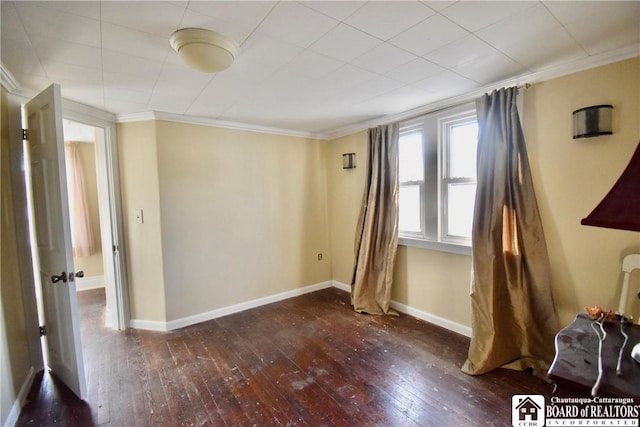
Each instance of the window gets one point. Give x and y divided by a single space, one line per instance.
411 173
437 155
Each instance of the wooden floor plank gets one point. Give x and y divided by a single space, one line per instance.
308 361
259 346
269 397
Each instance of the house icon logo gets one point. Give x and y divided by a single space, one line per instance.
527 410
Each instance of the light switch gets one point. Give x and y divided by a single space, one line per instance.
139 216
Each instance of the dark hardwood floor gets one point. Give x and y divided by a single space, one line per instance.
309 360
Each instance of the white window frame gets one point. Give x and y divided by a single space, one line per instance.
444 126
409 130
433 201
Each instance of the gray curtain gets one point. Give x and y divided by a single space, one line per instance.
513 315
377 231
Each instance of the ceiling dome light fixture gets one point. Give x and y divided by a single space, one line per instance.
204 50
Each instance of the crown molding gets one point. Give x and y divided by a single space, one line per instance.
73 108
13 87
7 79
578 65
205 121
136 117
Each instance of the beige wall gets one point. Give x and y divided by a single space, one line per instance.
231 216
345 190
570 177
91 265
243 215
137 156
14 341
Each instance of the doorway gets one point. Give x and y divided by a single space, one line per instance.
103 267
82 189
109 207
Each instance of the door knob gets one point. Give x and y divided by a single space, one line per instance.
63 277
72 276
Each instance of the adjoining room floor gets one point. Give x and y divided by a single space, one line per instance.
309 360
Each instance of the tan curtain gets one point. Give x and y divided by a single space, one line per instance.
377 230
81 231
513 315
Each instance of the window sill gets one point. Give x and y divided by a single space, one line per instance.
435 246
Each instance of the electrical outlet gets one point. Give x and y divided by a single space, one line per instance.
320 256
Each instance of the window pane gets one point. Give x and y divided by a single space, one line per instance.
409 209
460 203
410 157
463 145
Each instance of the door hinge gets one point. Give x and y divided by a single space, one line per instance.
116 248
24 134
43 330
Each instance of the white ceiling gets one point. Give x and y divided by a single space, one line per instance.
310 66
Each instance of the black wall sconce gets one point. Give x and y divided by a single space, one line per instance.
349 161
592 121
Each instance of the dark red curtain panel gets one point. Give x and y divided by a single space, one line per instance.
620 208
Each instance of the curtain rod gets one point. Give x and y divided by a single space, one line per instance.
441 106
524 86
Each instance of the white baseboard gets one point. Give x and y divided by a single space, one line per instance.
423 315
342 286
150 325
432 318
171 325
224 311
12 418
87 283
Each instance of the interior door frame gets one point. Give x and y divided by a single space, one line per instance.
110 208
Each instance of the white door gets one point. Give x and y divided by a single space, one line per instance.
53 238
